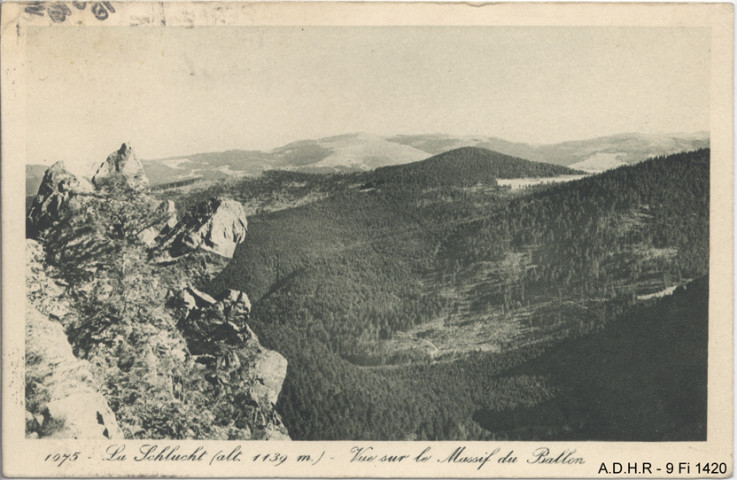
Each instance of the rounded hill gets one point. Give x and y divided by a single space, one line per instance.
467 166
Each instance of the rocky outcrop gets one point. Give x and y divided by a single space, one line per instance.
57 188
62 399
208 323
122 165
106 279
264 378
217 225
218 335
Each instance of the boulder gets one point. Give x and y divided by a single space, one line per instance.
148 236
58 186
61 395
265 376
275 431
216 225
121 165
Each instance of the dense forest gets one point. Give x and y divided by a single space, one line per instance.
628 231
339 266
642 378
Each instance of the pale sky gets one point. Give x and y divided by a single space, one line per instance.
177 91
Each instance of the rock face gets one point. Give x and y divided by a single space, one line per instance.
207 323
216 328
58 186
216 225
176 365
62 400
43 292
265 378
122 164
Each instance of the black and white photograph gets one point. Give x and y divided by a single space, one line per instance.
366 233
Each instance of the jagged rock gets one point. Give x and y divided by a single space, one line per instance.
60 388
207 322
122 164
58 186
275 432
236 305
231 305
216 225
166 345
264 379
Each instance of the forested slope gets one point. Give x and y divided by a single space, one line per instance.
466 166
642 378
612 233
335 278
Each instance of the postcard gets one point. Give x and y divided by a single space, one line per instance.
367 240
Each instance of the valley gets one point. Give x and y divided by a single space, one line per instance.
405 269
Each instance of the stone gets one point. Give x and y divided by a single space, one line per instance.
200 298
62 390
236 297
122 165
202 336
216 225
275 432
208 323
236 306
45 293
58 186
148 236
188 300
269 369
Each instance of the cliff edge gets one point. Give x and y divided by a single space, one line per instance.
116 321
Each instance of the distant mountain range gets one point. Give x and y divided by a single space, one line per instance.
592 155
360 151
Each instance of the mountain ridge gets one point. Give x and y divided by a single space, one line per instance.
360 151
